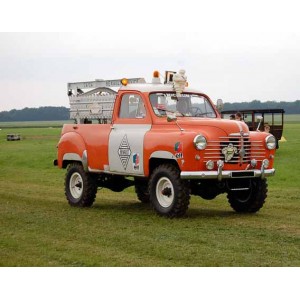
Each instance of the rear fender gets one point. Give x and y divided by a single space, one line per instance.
71 147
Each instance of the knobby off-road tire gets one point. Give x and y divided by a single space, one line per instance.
80 187
142 190
249 201
169 194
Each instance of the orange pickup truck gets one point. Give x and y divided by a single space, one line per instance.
166 139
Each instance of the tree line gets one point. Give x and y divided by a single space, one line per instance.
289 107
53 113
46 113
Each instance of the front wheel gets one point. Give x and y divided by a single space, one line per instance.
169 194
251 199
80 187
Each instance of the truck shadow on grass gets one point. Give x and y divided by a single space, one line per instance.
146 209
124 207
194 213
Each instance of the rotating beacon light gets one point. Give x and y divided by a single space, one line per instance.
155 78
124 81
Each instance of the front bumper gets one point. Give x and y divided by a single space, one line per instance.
221 174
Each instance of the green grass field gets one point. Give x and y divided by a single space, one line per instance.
39 228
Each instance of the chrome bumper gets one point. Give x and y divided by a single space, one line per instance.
227 174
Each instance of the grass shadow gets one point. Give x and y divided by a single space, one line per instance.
145 208
210 213
123 206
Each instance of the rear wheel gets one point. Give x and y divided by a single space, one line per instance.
249 200
169 194
80 187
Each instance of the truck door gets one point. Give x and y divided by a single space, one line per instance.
126 140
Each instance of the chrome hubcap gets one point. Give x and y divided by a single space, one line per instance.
76 185
165 192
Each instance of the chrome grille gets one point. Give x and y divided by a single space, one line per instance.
252 149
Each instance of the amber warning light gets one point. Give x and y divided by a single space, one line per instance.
124 81
155 78
156 74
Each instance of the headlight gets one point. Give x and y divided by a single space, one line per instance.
200 142
270 142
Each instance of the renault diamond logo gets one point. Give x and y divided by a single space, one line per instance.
124 152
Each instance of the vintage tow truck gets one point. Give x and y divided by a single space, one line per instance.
166 139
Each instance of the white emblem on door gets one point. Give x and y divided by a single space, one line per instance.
124 152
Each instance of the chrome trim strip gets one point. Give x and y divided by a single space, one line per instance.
85 161
162 154
224 174
76 157
71 156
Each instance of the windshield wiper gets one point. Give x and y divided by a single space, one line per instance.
170 111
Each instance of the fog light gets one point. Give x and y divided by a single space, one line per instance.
210 165
265 163
253 163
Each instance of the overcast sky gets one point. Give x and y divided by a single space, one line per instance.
233 51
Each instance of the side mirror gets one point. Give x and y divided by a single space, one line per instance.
171 118
220 105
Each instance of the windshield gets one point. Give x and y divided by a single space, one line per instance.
188 105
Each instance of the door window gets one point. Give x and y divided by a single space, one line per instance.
132 107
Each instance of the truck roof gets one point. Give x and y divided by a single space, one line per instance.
154 87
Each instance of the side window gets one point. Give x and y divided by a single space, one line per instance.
132 107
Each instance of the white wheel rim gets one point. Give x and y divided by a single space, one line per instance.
76 185
164 192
